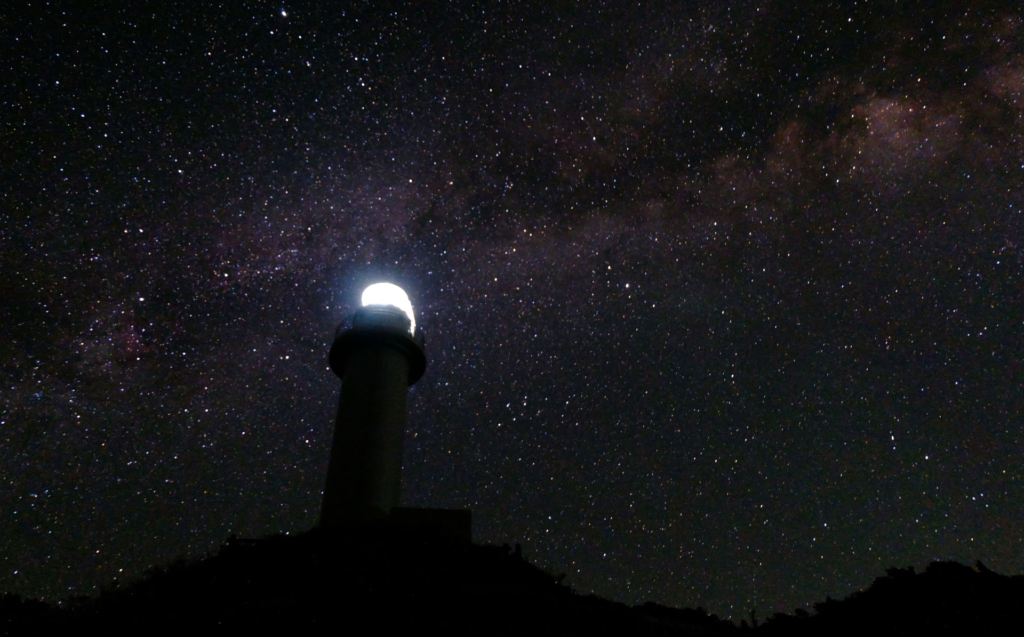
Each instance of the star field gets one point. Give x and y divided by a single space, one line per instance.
722 304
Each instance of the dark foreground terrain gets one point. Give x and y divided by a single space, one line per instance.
320 582
389 579
946 597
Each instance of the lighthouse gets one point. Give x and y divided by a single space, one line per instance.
378 353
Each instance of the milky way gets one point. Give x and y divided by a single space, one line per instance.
723 306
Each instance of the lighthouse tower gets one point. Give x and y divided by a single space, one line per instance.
378 354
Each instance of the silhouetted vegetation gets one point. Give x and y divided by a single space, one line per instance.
391 579
946 597
386 578
18 616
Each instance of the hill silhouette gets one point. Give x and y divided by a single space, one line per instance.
390 578
947 596
385 578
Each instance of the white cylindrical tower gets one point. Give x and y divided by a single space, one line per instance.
377 353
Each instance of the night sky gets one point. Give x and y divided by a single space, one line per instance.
724 305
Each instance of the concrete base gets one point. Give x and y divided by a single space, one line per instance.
454 524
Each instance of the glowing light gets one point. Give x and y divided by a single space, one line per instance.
390 294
